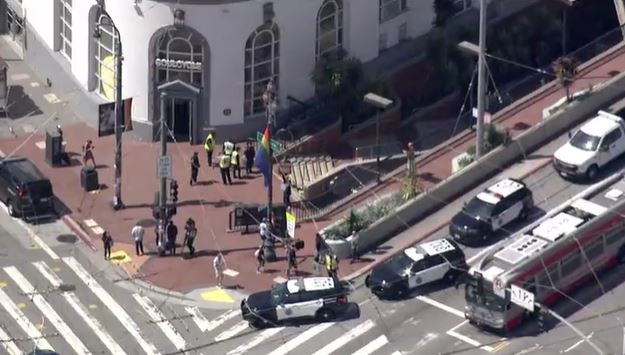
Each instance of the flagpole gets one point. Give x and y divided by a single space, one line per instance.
270 111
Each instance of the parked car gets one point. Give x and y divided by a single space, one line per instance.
317 298
436 260
491 210
24 189
595 144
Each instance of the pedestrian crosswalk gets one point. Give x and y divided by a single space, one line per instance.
63 306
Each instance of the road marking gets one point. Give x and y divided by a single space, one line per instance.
32 234
264 335
159 318
301 339
41 145
90 223
73 301
426 339
452 332
578 343
397 353
236 329
372 346
8 344
439 305
204 324
47 310
500 346
353 333
217 295
111 304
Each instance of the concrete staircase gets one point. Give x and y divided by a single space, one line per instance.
306 169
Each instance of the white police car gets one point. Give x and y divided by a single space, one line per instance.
427 262
298 298
491 210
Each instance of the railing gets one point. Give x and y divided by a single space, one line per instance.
371 151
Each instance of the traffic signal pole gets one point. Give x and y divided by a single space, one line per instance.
570 325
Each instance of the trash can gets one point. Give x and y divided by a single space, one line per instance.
270 250
89 179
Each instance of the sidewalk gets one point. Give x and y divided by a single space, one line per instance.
210 202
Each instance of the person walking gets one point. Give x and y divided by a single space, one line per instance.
195 167
172 234
260 259
209 146
219 265
87 153
249 158
263 229
235 160
286 191
224 167
353 244
190 234
107 240
332 266
137 235
291 258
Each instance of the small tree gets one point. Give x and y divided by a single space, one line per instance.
443 10
565 69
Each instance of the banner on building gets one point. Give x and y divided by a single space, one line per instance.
106 117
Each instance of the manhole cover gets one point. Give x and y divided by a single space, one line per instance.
67 238
146 223
67 288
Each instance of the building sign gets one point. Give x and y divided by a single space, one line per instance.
178 64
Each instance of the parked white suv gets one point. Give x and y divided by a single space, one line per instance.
597 143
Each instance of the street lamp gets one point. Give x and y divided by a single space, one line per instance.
481 78
380 103
565 11
119 124
271 106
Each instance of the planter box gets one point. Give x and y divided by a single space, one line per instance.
455 162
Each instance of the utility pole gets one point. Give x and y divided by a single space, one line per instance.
162 198
481 83
380 103
271 106
119 123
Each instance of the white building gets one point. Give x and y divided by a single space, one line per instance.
219 54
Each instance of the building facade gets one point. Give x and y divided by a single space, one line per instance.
214 56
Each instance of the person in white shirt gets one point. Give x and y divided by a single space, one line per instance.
263 229
137 235
219 264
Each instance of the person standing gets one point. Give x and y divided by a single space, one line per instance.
235 159
209 145
172 234
190 234
263 229
195 167
87 153
219 264
291 259
249 158
224 167
107 240
286 192
137 235
228 147
260 259
353 244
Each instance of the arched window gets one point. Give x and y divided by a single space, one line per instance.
329 28
105 70
180 46
262 62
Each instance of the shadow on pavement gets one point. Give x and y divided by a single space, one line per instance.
20 104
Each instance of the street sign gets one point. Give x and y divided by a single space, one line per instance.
290 224
164 167
275 145
487 117
522 297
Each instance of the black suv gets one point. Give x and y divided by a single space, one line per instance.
491 210
24 189
300 298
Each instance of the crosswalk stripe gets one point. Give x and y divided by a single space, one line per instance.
74 301
301 339
236 329
8 344
47 310
157 317
372 346
28 327
353 333
264 335
204 324
111 304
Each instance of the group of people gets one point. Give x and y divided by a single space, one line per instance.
229 160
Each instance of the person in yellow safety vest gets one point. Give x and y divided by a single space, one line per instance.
224 167
228 147
209 146
331 263
235 162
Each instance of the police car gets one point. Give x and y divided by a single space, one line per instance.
427 262
298 298
491 210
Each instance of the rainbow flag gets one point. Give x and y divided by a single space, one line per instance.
262 158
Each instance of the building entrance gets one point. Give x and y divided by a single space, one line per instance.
178 118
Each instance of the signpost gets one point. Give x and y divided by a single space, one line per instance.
487 117
164 167
290 224
275 145
522 297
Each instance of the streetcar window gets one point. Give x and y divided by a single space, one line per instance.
594 249
615 235
570 262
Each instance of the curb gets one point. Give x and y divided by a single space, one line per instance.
402 246
79 231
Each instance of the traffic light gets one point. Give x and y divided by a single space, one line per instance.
170 210
540 320
173 191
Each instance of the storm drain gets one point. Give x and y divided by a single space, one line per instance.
67 288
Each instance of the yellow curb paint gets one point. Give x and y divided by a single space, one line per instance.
217 295
21 305
3 284
93 306
120 257
39 326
